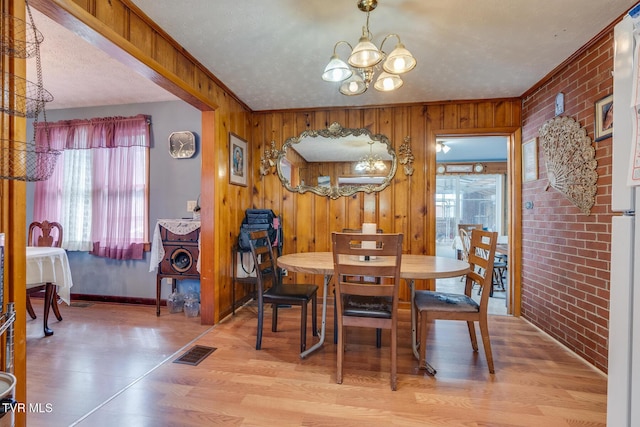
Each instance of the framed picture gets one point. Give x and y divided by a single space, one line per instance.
530 160
604 118
238 160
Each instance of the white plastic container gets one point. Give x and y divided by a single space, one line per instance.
7 393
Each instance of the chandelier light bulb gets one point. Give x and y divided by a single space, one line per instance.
399 61
387 82
365 54
336 70
355 85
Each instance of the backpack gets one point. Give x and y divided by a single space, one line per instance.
254 220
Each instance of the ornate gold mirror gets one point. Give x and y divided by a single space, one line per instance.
336 162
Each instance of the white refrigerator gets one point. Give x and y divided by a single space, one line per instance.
624 310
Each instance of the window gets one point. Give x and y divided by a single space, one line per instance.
467 199
98 190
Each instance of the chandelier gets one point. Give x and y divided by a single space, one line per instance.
371 162
365 59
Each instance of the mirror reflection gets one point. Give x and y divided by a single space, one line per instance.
336 162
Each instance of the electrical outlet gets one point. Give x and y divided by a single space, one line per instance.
285 272
191 204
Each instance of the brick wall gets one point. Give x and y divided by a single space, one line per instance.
566 254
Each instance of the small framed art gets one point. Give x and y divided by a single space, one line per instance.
530 160
238 160
604 118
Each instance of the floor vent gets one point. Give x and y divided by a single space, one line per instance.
195 355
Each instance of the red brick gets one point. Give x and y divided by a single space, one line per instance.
565 278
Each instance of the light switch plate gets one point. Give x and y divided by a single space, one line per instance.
559 103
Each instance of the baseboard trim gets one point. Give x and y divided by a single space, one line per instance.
109 299
117 299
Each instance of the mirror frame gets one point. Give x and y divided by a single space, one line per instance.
336 131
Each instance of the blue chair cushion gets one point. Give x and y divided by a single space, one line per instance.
444 301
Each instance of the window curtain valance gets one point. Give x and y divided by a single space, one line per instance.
101 132
98 191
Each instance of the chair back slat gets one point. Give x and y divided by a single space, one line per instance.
45 234
482 249
263 258
367 255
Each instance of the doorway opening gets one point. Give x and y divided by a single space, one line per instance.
471 192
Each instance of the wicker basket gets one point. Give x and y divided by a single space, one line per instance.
22 97
18 38
24 161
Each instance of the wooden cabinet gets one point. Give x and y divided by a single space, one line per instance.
175 252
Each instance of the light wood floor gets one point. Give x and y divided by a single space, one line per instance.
111 365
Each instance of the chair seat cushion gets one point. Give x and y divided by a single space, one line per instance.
443 301
379 307
293 291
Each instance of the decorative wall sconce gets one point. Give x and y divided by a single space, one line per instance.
268 159
406 156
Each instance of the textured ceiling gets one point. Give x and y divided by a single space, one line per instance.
271 53
80 75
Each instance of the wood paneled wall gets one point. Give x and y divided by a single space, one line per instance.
406 205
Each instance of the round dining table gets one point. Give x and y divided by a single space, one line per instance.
412 267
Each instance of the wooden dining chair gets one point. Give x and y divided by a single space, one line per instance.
469 227
270 290
356 279
44 234
465 241
431 305
500 264
372 304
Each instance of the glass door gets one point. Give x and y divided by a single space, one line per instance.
467 199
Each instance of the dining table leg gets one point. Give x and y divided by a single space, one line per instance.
323 327
49 292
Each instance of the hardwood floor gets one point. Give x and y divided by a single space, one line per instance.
111 365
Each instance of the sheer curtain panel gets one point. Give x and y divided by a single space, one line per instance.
98 192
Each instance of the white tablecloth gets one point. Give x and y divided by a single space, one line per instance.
176 226
49 265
